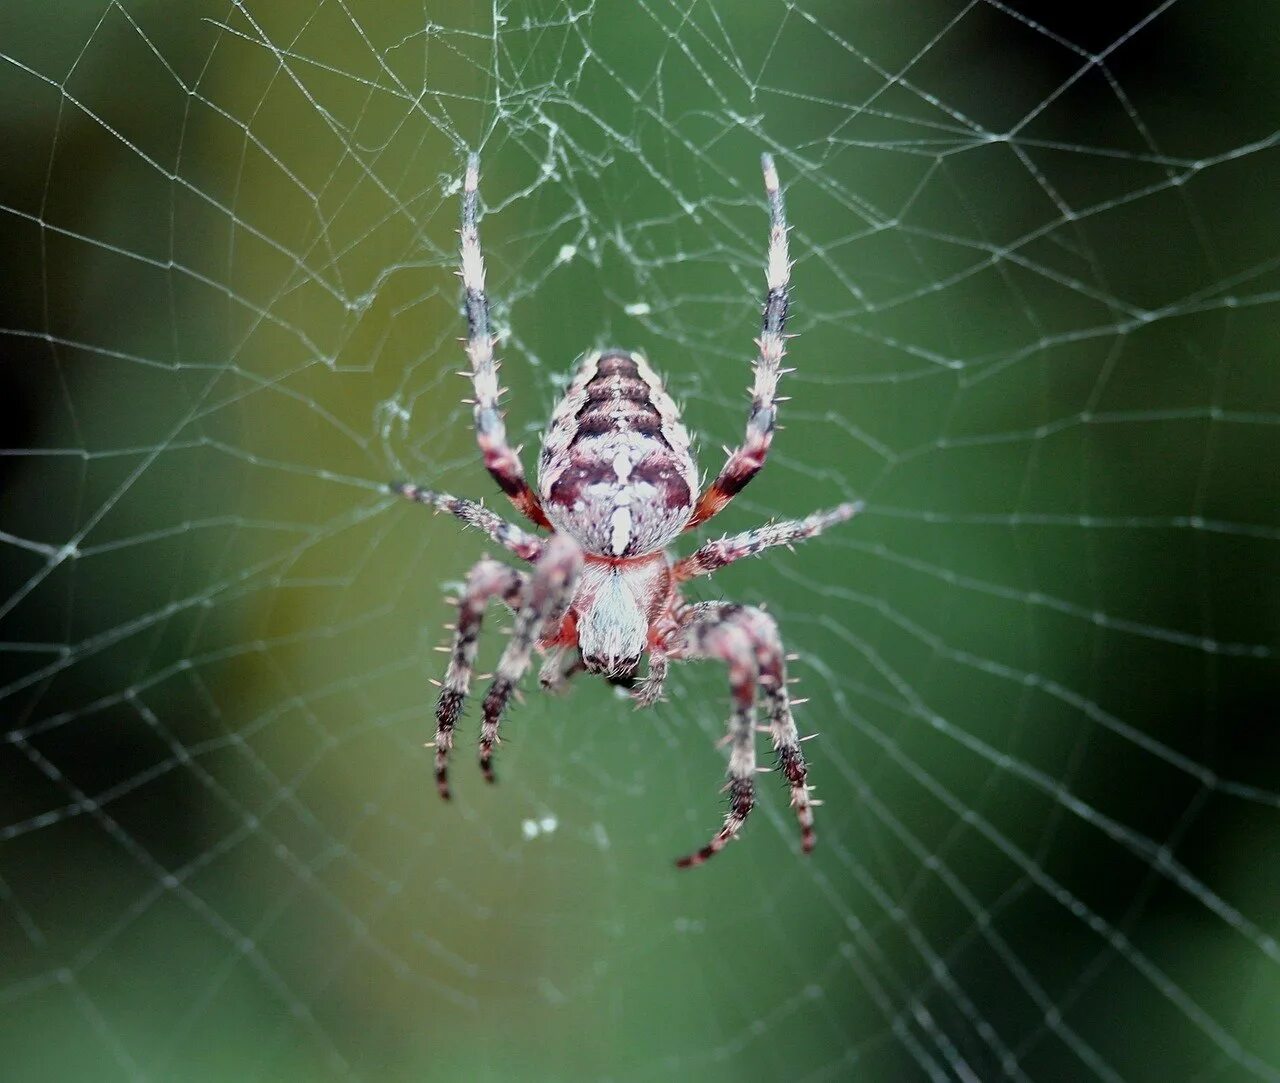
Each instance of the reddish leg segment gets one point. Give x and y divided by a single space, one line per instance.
745 463
499 458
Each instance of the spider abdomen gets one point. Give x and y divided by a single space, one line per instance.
616 472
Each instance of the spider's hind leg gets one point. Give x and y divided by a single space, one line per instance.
771 660
488 579
543 599
710 632
747 640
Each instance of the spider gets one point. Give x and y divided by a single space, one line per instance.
617 484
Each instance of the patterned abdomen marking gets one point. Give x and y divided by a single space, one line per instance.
616 471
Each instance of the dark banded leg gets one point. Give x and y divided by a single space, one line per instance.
547 591
499 458
772 663
520 542
723 630
716 554
709 636
746 461
488 579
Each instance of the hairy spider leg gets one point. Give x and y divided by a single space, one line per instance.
748 459
520 542
772 664
714 555
561 666
547 592
747 639
705 634
649 690
488 579
502 462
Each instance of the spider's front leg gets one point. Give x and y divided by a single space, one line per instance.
748 459
747 640
488 579
545 596
500 459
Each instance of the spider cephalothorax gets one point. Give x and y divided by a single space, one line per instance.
617 485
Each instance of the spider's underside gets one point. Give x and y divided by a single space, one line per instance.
616 485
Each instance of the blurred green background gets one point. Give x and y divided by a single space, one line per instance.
1035 286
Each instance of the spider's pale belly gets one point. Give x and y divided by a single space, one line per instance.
616 471
617 485
614 606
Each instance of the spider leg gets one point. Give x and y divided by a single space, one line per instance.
559 668
748 459
499 459
718 629
711 633
649 690
547 591
714 555
488 579
772 663
512 538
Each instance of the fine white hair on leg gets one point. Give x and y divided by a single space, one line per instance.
520 542
500 459
716 554
547 591
772 663
727 631
748 459
707 635
649 690
488 579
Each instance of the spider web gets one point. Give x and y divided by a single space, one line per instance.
1035 285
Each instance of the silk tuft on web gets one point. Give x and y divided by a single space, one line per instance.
1035 294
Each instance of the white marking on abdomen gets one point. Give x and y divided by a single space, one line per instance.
620 522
